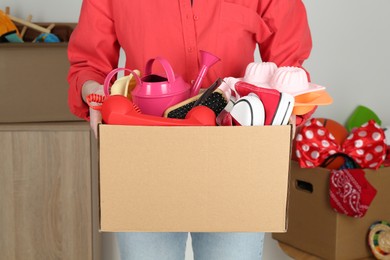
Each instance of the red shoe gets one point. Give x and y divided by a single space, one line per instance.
278 106
248 111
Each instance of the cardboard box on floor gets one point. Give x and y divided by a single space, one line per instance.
199 179
314 226
33 76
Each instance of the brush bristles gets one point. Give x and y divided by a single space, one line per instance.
216 102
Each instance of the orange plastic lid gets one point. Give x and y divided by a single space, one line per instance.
306 102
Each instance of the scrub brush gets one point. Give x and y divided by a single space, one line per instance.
215 97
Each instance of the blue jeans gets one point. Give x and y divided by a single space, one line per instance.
206 246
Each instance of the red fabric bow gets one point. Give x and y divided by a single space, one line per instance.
365 145
350 193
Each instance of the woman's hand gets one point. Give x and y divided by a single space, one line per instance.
95 117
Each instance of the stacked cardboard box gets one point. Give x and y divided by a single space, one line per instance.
314 227
33 76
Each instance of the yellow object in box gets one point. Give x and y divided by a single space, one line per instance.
124 85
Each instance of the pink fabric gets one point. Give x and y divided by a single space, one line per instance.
350 193
176 31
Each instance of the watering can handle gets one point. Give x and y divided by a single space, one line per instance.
167 68
107 80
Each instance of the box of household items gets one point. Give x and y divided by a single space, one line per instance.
342 209
33 72
183 161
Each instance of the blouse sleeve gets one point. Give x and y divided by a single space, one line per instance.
93 51
290 42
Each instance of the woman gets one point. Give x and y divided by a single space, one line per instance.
177 30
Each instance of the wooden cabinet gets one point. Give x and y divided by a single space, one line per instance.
48 192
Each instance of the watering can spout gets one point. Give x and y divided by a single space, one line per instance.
207 60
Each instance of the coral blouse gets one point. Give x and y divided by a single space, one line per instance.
177 30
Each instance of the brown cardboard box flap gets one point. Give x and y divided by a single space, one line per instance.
314 226
211 179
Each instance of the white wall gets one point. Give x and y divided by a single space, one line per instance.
350 56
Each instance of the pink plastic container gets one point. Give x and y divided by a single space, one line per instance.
156 93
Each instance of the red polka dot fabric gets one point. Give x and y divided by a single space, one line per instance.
365 145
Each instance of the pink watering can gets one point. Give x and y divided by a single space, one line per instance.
154 93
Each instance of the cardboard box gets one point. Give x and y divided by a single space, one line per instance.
314 226
33 77
195 179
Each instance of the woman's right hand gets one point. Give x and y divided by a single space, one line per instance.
95 117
